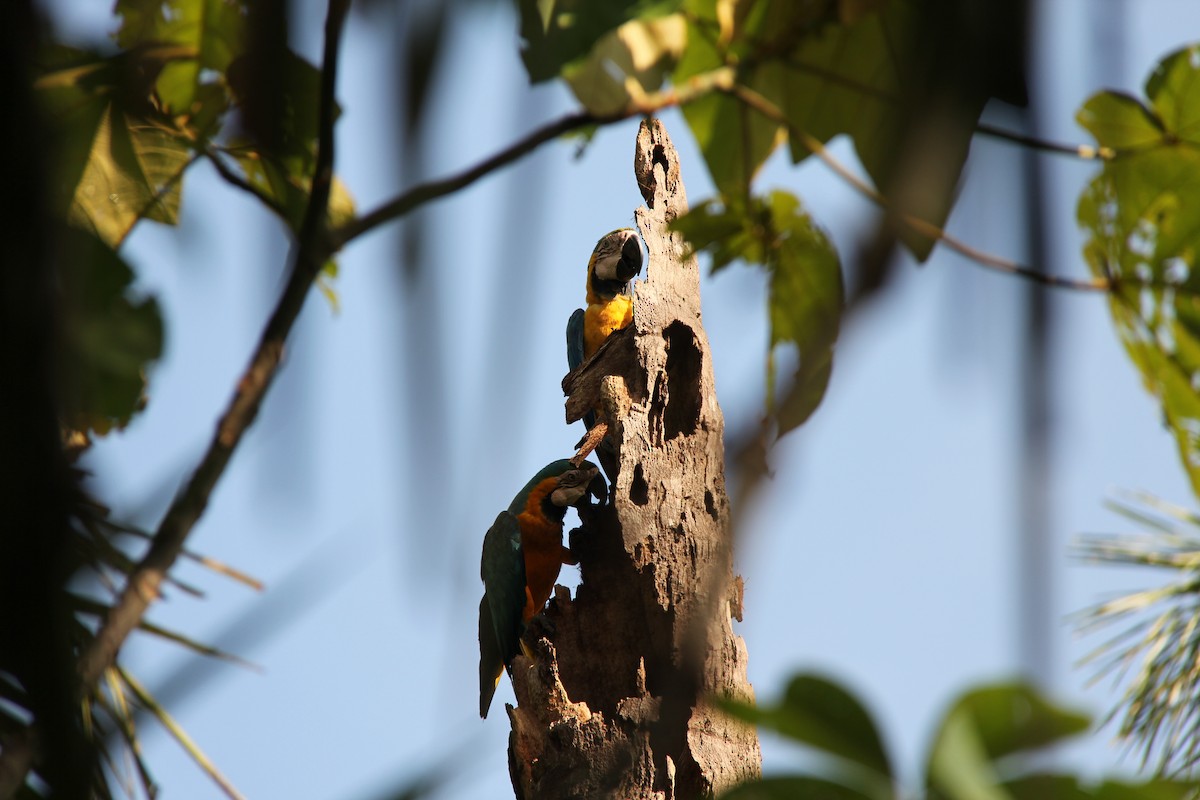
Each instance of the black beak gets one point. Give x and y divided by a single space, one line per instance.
631 260
598 488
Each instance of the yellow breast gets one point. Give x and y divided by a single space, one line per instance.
601 319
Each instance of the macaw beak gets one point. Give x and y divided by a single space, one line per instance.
630 263
598 488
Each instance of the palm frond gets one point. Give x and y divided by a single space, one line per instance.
1157 655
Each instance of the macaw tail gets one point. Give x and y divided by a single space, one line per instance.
491 662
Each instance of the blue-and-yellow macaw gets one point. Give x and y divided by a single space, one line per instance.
616 258
522 555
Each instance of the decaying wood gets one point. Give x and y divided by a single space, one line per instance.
614 701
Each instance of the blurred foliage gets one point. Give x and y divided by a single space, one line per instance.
805 292
1142 218
830 67
186 81
990 745
108 338
1155 649
101 565
126 127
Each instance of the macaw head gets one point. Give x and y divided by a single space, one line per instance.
616 259
559 484
574 484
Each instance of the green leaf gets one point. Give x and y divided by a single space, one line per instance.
559 32
734 140
821 714
213 31
1174 91
109 340
1009 718
795 788
985 725
856 78
134 171
627 63
118 159
805 291
806 299
1119 121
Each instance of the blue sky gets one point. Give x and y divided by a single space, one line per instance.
883 553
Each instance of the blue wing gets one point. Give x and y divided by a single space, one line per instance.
503 571
575 339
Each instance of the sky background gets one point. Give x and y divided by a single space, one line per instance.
883 553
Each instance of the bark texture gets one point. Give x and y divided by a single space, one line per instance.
614 701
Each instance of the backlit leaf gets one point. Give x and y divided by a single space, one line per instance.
559 32
626 64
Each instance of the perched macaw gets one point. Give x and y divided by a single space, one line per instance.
522 555
615 260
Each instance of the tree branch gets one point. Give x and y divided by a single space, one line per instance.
311 250
923 227
695 87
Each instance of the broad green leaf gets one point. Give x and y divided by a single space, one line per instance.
855 78
134 171
985 725
109 338
1120 121
213 31
626 64
1174 92
795 788
821 714
119 160
1009 718
559 32
734 140
805 292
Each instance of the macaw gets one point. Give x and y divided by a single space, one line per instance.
522 555
616 258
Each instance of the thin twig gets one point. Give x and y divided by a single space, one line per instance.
923 227
235 180
695 87
142 586
1085 151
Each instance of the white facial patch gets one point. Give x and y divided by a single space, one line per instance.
567 495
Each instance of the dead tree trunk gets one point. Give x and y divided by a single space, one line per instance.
614 702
